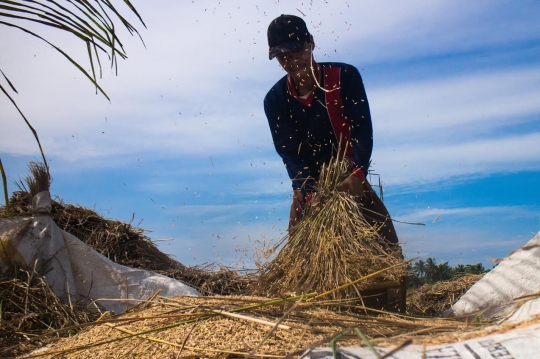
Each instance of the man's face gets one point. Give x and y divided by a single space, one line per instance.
296 63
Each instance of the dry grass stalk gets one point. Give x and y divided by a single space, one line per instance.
333 245
30 308
256 320
39 179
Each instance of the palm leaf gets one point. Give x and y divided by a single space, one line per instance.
9 82
4 183
91 24
63 53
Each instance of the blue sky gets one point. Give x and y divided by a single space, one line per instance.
454 90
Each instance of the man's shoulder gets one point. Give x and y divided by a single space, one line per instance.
349 76
278 90
341 65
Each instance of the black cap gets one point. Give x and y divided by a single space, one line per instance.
286 33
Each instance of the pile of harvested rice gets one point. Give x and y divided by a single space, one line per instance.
196 327
331 246
225 327
434 299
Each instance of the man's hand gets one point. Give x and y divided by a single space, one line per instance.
352 185
298 206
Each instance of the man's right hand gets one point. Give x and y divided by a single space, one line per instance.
298 206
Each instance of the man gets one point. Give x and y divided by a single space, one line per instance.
310 111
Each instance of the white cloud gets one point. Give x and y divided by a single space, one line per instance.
445 128
411 164
432 215
203 66
458 104
459 244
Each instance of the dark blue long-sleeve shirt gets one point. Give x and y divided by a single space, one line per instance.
306 132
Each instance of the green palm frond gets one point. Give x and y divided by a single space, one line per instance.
90 21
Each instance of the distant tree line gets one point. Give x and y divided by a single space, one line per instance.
430 272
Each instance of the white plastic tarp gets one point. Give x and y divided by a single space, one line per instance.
75 271
509 291
523 343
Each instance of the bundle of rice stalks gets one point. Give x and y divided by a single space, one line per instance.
331 246
434 299
28 307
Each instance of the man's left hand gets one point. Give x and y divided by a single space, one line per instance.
352 185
